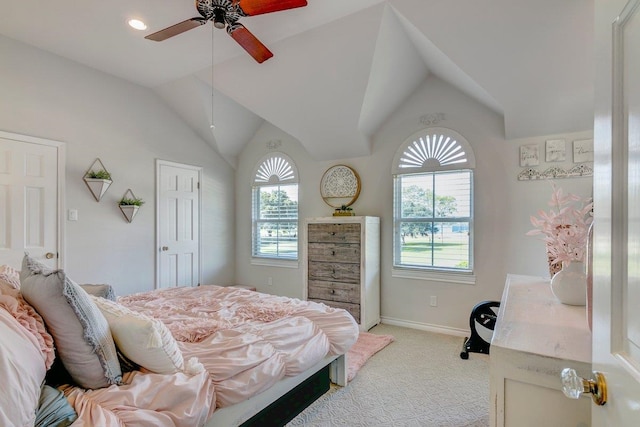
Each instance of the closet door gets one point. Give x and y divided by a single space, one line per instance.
178 225
31 174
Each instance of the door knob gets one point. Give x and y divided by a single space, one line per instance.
165 248
574 386
49 255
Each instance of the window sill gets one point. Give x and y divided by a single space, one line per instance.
435 276
274 262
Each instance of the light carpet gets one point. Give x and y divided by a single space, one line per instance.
420 380
366 346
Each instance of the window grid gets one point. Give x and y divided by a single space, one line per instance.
275 208
433 203
433 221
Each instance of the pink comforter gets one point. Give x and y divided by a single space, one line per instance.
145 400
247 340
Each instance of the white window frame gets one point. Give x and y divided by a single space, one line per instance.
273 169
432 150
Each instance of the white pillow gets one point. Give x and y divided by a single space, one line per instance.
144 340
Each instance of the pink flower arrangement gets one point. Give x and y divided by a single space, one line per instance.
564 227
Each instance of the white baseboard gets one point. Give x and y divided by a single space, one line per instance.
439 329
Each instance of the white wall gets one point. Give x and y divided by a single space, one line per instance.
502 208
128 127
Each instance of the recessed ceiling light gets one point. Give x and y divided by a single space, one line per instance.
137 24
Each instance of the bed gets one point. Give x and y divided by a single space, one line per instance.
211 355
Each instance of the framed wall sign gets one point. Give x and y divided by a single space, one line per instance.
529 155
555 150
583 151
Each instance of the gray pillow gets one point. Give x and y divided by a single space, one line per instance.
103 291
80 331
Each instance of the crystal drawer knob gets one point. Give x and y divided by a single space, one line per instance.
574 386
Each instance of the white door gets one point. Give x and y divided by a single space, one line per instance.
178 224
30 185
616 309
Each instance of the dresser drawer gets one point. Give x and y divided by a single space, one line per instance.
335 252
334 291
353 309
330 271
334 233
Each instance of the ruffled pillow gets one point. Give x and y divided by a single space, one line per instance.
144 340
31 321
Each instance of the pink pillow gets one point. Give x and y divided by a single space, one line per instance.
31 321
22 373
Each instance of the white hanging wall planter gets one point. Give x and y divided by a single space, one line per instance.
98 186
129 212
129 205
98 179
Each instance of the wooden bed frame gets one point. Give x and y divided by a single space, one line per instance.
290 393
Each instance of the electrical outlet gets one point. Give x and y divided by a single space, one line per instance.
269 281
434 301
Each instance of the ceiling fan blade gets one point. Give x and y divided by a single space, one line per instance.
176 29
249 42
258 7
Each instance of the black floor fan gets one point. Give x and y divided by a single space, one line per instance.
482 323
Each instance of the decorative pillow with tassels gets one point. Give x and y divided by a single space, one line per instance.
145 341
80 332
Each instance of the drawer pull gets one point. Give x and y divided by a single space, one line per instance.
333 233
333 291
333 253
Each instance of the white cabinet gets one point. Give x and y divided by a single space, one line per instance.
535 337
342 265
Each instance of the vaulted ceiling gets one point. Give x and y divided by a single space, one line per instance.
340 67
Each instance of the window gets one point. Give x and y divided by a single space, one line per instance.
275 208
433 203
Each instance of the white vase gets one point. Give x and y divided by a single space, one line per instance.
569 285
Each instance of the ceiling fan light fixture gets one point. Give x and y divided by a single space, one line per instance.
137 24
218 18
226 14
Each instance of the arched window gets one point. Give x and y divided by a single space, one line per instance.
433 202
275 208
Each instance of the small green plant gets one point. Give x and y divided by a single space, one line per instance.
344 208
101 174
126 201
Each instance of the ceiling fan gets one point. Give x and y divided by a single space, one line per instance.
225 14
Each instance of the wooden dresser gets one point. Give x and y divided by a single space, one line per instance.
342 265
535 337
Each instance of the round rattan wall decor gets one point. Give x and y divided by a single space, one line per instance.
340 186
